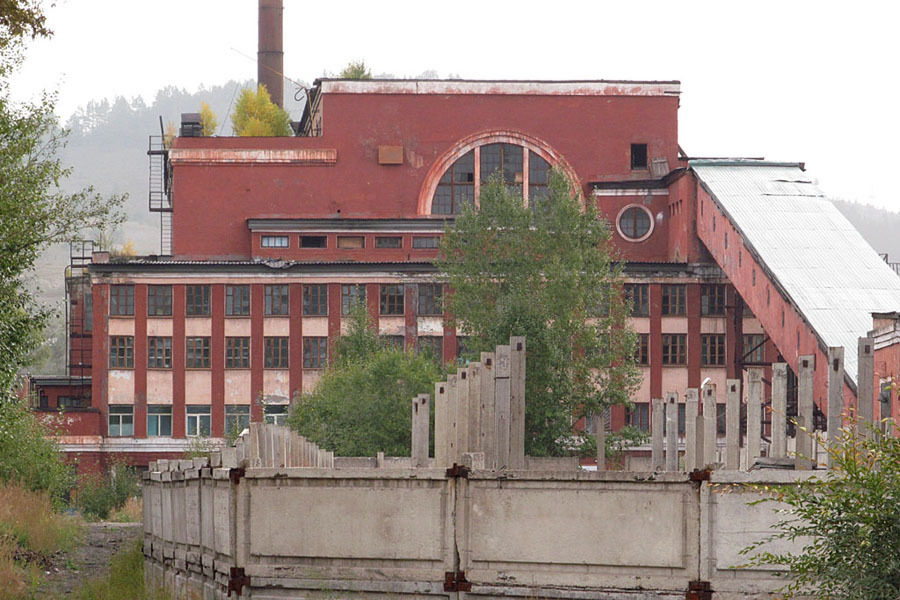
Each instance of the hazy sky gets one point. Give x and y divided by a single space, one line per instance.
801 81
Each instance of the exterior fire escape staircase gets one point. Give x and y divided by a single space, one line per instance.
161 190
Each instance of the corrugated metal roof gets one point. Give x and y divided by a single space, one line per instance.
831 274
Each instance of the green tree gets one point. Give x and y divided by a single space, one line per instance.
34 213
362 403
255 115
356 69
545 272
208 119
847 520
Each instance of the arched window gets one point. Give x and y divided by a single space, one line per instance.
520 168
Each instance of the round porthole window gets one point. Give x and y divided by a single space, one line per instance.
634 223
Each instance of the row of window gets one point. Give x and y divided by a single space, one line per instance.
674 299
350 242
277 299
198 419
674 349
197 352
639 417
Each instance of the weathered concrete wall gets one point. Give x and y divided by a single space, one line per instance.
312 532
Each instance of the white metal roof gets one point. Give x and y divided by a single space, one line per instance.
829 272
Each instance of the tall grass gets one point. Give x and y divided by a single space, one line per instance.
96 496
125 580
30 531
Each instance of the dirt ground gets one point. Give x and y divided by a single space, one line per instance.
91 558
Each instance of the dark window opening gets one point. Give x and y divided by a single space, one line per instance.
313 241
315 300
673 300
391 299
713 349
197 301
276 353
639 156
430 242
638 295
197 355
430 299
674 349
456 188
389 242
315 352
237 353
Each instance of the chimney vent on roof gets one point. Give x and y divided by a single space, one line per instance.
270 53
191 125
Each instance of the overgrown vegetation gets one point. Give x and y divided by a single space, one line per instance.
545 271
362 403
30 532
125 580
255 115
356 69
847 520
97 495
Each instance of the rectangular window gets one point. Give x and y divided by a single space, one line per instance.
712 300
196 300
197 355
313 241
430 242
391 299
72 402
315 300
639 156
277 300
639 416
237 418
642 352
430 299
391 341
275 414
638 295
121 352
121 420
754 348
159 353
351 242
237 353
315 352
237 300
199 420
159 420
673 300
394 241
121 300
276 353
674 349
352 295
430 345
274 241
159 300
88 311
713 349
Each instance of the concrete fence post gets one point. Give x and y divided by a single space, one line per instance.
806 429
441 425
501 405
691 433
474 411
517 402
671 431
453 419
488 426
754 415
657 424
865 386
599 421
420 423
462 412
733 425
835 396
778 447
709 425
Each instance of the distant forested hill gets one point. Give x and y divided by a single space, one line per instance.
881 228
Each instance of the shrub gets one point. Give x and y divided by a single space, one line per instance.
97 495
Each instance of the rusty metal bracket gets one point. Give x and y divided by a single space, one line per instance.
236 474
699 590
458 471
237 580
455 581
698 475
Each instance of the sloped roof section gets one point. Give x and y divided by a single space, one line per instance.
826 268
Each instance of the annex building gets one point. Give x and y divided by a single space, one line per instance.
268 242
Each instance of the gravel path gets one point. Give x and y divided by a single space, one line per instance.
91 559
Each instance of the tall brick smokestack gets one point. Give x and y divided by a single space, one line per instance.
270 54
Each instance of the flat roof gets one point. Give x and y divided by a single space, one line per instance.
515 87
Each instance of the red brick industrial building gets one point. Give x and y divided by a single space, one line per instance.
268 241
